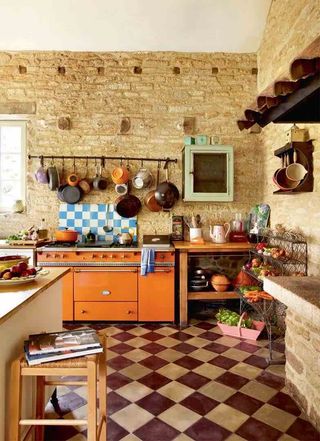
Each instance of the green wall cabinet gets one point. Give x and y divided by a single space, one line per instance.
208 173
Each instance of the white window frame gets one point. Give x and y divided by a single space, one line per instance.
23 125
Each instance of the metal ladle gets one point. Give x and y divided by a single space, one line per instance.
106 228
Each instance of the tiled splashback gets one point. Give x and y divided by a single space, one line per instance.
82 217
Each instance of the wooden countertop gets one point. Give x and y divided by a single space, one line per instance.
14 297
301 294
4 245
210 246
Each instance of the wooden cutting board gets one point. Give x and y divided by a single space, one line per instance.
21 243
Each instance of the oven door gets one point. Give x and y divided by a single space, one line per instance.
97 284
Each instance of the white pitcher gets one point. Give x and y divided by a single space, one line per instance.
219 233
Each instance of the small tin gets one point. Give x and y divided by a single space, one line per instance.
189 140
201 140
177 228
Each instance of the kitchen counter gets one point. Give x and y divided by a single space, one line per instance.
184 249
210 246
26 309
15 297
301 295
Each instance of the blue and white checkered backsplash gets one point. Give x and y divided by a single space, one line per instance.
85 217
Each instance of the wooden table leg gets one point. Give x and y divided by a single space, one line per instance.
40 404
15 401
92 400
183 280
102 436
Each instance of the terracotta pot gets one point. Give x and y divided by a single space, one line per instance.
66 235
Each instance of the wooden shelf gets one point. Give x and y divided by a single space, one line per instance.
212 295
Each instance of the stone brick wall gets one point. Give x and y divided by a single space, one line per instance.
96 90
302 364
291 26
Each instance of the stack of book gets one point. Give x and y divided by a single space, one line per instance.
43 348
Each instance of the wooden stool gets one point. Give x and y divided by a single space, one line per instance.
92 367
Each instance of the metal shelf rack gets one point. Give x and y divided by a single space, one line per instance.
295 261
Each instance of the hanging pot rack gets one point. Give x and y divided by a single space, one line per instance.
104 158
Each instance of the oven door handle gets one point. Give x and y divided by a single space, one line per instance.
105 271
163 270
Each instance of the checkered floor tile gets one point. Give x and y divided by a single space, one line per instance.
166 384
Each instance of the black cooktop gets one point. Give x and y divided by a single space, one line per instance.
99 244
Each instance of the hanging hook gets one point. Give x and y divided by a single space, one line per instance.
128 164
74 164
166 164
141 163
41 160
121 161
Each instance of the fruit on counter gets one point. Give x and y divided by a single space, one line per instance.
17 271
7 275
220 282
231 318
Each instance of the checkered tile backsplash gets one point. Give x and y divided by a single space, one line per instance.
82 217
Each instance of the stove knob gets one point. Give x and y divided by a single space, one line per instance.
47 255
103 256
63 256
56 256
123 256
83 311
94 256
111 256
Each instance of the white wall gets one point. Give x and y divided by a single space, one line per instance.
133 25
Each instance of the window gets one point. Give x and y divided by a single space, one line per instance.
12 163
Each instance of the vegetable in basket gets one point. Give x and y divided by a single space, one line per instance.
231 318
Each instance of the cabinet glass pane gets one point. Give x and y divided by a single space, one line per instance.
210 173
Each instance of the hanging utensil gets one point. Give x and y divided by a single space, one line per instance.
73 179
296 171
150 199
107 228
167 193
84 183
53 176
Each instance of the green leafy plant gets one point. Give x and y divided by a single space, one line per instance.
231 318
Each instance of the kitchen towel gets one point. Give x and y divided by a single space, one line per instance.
147 260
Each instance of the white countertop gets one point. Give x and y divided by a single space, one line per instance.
12 298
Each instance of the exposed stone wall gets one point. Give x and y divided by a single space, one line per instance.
291 26
98 89
302 364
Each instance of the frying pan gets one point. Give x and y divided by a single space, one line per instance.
127 205
53 176
281 178
166 193
70 194
150 199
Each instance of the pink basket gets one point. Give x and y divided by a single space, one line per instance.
237 331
